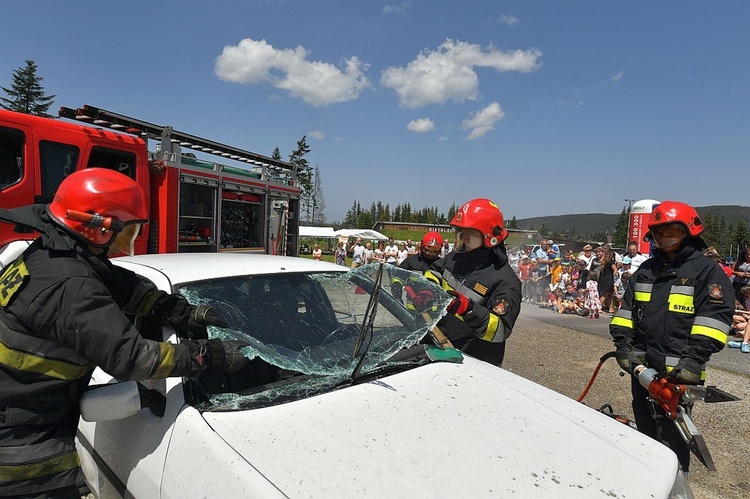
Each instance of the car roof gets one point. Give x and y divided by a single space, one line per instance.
189 267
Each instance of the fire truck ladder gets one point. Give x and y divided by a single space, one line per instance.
168 136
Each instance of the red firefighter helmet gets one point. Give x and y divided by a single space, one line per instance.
114 198
432 239
668 212
483 215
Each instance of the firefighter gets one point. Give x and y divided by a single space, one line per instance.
429 251
676 312
62 313
486 289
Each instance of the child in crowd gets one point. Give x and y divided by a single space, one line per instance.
564 275
550 300
620 284
558 301
568 301
524 273
536 284
593 303
555 272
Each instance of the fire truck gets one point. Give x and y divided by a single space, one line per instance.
196 204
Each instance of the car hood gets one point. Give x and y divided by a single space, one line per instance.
445 430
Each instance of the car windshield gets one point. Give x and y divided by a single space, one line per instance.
303 329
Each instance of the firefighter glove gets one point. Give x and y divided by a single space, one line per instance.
687 371
460 305
627 359
187 318
224 355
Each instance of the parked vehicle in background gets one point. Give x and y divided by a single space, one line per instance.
195 206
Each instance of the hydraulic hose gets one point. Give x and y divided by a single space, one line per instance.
593 376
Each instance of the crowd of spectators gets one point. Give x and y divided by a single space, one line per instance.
357 254
589 283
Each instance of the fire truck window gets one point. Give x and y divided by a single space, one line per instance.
11 156
56 161
120 161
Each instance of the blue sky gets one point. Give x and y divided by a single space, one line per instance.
546 108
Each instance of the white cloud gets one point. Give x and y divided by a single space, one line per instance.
613 78
317 83
483 121
447 73
316 134
421 125
507 19
397 9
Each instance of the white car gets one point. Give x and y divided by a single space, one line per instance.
344 397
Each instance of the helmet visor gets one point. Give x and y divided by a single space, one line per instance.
124 241
471 238
667 237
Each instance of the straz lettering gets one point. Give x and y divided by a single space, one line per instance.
682 308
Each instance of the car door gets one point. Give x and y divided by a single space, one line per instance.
128 454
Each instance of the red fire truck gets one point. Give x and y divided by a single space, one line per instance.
196 205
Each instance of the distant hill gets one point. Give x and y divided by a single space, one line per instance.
592 223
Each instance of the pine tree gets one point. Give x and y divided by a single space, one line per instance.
304 175
741 236
620 237
318 200
26 94
452 211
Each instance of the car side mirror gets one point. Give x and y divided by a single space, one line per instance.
119 401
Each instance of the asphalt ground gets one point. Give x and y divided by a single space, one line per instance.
561 352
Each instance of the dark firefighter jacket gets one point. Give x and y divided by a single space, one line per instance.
485 277
682 309
61 313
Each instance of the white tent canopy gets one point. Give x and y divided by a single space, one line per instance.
305 231
363 233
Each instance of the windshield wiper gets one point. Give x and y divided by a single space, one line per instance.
367 325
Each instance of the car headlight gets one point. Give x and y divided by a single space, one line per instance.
681 488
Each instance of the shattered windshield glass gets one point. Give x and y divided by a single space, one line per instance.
308 324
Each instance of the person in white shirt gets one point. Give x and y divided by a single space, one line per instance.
402 254
587 255
636 258
445 249
410 248
358 254
391 252
368 253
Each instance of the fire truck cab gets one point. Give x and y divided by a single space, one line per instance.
196 205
